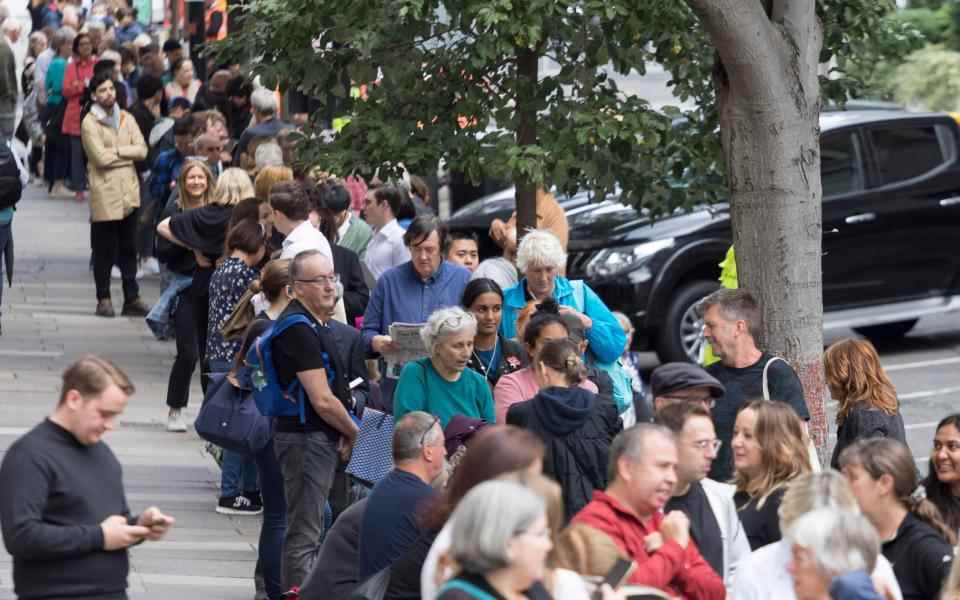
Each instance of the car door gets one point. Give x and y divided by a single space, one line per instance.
891 240
846 232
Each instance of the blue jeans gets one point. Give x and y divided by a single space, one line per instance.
269 560
238 473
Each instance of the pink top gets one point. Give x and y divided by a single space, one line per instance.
519 386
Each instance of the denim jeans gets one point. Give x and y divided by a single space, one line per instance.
308 462
274 522
238 473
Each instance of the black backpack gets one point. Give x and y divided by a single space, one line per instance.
11 187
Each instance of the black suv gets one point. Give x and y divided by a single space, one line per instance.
891 222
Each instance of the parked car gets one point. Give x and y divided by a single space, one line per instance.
891 219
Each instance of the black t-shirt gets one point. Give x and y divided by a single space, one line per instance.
300 348
743 385
762 524
704 528
920 559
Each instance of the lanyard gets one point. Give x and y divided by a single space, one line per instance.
489 368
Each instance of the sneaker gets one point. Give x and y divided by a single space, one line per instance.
135 308
105 308
254 497
150 266
175 422
115 272
237 505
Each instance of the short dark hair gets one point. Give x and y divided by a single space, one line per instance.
183 126
148 85
78 39
675 415
245 236
739 305
104 65
289 198
238 87
97 80
171 45
91 376
459 234
390 194
478 287
421 228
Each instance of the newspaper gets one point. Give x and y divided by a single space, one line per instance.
406 337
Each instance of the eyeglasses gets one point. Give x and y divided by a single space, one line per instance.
322 279
708 444
423 438
706 400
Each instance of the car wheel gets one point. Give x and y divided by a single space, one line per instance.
887 331
681 334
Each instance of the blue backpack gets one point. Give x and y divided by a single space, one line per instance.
270 396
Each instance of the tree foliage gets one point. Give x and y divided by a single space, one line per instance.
454 83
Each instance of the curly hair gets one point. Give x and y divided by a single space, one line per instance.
854 373
783 449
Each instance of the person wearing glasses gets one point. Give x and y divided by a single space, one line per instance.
390 522
675 382
441 384
714 523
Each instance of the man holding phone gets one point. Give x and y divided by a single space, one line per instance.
63 510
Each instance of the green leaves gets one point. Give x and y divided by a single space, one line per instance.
448 87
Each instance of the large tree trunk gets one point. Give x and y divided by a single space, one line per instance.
768 99
528 62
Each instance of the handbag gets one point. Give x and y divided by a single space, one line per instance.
230 419
372 456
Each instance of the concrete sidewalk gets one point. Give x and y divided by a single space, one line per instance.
48 322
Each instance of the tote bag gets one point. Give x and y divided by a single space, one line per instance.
230 419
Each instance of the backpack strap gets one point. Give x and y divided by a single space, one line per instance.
294 386
469 588
766 386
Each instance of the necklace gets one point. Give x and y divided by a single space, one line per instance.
488 368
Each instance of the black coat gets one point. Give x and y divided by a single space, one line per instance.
350 344
356 294
577 429
512 357
862 422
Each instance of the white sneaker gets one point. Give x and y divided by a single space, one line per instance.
115 272
175 422
150 266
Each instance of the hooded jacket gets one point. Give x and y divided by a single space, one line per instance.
577 430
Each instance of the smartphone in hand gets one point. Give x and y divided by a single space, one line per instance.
615 576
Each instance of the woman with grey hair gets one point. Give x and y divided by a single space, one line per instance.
500 540
763 574
832 553
441 384
541 261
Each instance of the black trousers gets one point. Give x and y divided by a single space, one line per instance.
185 325
115 243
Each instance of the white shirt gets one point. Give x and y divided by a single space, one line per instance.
386 250
305 237
763 574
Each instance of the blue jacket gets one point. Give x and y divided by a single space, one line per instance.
160 318
607 338
400 296
853 586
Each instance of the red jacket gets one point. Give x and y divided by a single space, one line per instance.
75 80
676 570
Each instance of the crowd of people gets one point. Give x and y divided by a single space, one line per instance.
526 457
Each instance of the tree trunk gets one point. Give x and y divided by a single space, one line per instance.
768 100
527 70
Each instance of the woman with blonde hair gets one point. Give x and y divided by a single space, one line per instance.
883 476
267 177
868 401
769 451
233 186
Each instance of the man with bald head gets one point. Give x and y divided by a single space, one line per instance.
210 147
308 452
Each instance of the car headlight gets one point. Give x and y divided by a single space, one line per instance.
614 261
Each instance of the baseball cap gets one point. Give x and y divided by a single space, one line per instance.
674 376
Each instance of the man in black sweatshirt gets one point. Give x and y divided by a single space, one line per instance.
63 510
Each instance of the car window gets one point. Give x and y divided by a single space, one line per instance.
907 152
841 166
